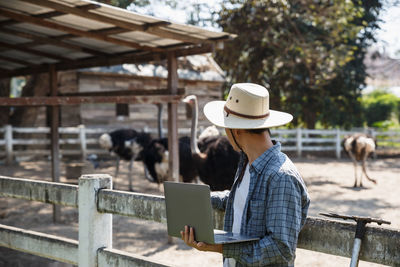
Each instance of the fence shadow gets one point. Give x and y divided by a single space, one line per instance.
373 207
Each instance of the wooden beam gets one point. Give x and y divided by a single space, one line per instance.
136 92
38 40
76 100
81 13
110 31
157 24
26 49
18 61
71 30
149 28
106 31
49 14
173 142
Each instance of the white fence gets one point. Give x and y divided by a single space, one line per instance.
96 202
18 141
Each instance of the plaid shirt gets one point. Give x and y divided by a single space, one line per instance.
275 210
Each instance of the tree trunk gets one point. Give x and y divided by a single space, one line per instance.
37 85
4 92
310 119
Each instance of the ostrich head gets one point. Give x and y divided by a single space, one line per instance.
209 131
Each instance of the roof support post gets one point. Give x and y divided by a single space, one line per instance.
173 143
55 151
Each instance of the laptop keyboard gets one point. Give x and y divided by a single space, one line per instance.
223 237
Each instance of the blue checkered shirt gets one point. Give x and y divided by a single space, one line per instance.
275 210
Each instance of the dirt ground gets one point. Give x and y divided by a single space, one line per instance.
329 181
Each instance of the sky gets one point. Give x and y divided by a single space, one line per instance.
389 35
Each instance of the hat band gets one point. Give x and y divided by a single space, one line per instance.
229 111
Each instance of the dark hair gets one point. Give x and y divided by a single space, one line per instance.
259 131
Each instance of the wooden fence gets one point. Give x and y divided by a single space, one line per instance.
96 202
17 141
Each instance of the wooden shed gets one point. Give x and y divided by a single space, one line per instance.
39 36
198 74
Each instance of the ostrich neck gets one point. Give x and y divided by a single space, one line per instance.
193 130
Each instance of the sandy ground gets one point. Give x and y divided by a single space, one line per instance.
330 184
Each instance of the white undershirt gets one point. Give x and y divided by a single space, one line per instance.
238 207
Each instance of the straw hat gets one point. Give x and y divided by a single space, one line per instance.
247 107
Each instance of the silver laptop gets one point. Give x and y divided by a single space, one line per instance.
190 204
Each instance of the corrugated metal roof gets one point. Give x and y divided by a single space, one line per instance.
76 34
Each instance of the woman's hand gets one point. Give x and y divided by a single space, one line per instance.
188 237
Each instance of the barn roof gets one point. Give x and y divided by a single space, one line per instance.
72 34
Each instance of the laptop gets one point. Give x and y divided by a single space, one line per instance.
190 204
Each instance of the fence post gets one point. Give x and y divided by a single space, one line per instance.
298 142
374 134
338 141
82 139
8 136
95 229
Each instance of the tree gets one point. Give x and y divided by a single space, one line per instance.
345 105
300 48
379 107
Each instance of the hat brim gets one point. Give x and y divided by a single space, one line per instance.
214 112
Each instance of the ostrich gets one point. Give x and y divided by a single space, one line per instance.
127 144
215 159
359 146
209 131
155 157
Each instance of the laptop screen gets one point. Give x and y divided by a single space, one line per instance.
189 204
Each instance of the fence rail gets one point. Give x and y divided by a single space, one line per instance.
82 141
96 201
43 245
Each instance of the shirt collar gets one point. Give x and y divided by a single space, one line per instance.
260 162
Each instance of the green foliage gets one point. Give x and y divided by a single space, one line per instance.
380 108
309 53
345 88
